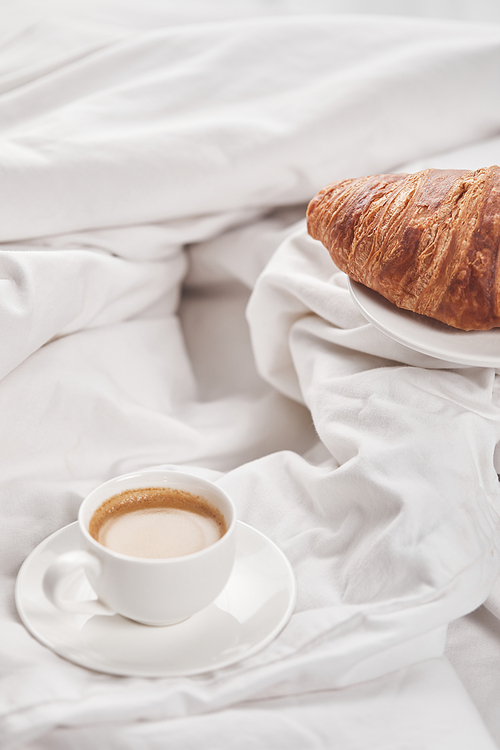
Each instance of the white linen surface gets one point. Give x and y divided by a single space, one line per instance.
153 184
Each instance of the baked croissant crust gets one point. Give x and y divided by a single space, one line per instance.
428 242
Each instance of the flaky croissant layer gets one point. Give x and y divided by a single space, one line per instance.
428 242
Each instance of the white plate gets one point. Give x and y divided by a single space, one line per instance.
253 608
425 335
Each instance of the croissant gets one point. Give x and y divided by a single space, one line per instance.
428 242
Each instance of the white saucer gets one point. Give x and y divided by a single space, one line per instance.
253 608
425 335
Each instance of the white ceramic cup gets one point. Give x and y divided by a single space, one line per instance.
150 591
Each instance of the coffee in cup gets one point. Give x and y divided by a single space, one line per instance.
157 522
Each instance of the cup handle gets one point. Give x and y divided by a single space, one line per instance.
57 575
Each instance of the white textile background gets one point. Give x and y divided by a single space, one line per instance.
161 303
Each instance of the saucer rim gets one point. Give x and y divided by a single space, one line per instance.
291 589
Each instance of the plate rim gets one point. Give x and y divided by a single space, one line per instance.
361 294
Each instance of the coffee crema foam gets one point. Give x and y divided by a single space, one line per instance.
157 522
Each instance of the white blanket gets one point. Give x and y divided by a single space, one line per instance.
161 303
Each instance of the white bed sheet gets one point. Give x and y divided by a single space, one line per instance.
161 303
